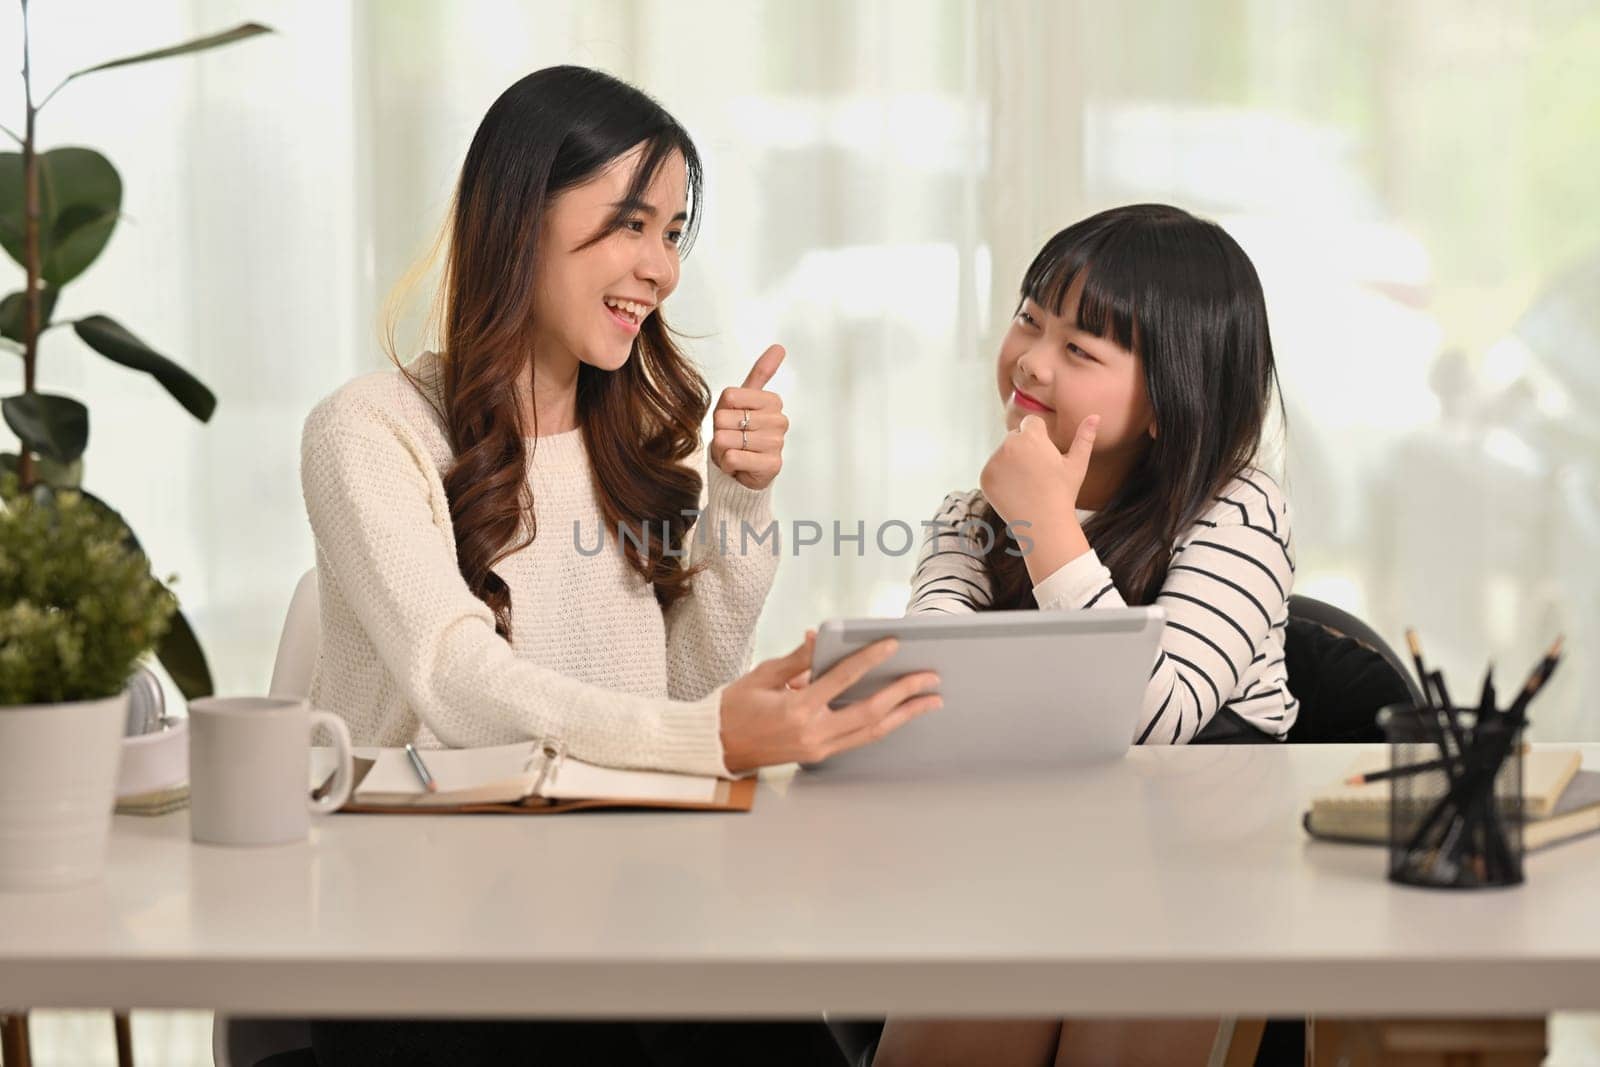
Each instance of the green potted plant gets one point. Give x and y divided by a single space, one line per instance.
78 609
57 212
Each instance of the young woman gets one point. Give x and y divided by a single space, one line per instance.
456 504
507 545
1136 378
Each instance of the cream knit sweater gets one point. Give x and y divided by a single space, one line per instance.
409 654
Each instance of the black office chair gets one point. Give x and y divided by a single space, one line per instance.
1340 671
1343 623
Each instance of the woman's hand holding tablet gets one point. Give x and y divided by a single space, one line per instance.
777 713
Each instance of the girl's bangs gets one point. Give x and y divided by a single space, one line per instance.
1106 306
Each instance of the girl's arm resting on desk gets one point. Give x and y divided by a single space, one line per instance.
710 635
1225 590
376 510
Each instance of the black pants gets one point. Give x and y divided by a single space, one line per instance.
464 1043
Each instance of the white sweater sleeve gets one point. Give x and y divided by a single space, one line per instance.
381 523
1224 593
710 635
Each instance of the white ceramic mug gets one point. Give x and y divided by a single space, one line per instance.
249 760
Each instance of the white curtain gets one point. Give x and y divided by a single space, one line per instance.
1411 179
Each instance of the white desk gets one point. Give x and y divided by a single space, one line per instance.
1177 882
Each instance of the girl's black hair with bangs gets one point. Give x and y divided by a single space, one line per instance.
1180 293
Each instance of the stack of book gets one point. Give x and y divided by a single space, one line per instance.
1559 801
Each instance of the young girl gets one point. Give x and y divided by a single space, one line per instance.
1136 377
506 538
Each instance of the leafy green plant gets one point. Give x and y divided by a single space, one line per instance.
78 604
57 212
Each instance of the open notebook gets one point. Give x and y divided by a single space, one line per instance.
1559 801
525 778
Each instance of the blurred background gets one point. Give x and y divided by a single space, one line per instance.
1414 179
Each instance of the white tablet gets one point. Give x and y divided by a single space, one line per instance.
1021 689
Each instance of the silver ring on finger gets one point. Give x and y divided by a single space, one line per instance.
744 437
744 422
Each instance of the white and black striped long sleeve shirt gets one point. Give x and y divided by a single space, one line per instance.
1226 597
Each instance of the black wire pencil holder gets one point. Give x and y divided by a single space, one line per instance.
1457 824
1455 782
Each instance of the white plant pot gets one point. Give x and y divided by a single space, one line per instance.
58 778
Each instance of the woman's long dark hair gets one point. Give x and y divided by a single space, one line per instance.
1182 295
548 132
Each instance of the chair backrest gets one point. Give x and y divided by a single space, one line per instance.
297 647
1347 625
1342 673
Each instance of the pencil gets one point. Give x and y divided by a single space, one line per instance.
1449 710
1536 680
1445 729
1438 687
1412 768
1416 660
422 769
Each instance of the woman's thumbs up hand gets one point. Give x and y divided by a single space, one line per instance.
748 426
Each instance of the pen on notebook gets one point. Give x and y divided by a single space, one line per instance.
422 770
